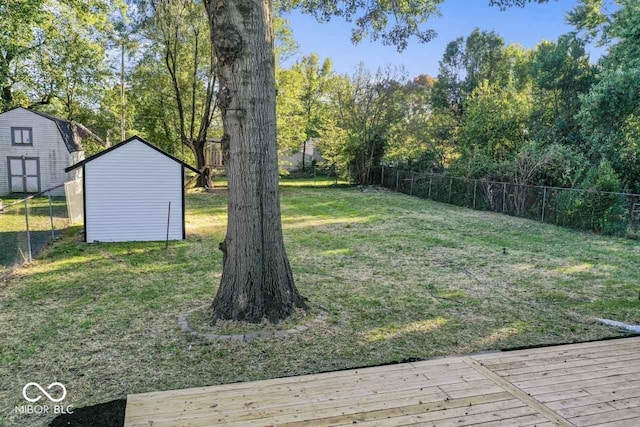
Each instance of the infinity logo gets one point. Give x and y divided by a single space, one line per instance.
35 399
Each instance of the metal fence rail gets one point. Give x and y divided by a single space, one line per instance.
600 211
28 224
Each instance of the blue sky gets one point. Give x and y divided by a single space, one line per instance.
525 26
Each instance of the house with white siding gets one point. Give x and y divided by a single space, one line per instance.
35 149
133 191
308 151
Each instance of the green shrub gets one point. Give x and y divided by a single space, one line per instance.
595 210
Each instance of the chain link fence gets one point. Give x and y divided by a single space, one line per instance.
599 211
28 224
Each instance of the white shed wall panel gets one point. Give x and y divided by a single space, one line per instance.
48 147
127 195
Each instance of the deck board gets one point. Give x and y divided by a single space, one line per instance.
586 384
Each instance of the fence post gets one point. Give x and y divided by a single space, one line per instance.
166 243
53 230
544 201
411 191
450 188
475 191
382 177
504 197
632 215
430 180
26 220
397 178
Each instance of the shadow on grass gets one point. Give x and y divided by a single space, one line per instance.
14 249
109 414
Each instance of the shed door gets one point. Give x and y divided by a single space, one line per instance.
24 174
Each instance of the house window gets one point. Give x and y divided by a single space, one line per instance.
21 136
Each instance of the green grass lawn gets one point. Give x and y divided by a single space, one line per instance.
318 181
403 278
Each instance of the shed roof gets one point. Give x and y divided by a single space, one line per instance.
126 141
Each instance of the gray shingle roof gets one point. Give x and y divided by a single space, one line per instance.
70 137
72 132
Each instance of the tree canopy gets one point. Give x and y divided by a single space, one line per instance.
488 100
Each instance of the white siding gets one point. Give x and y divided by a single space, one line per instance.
127 195
293 161
48 146
75 157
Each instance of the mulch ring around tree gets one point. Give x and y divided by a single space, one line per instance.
196 322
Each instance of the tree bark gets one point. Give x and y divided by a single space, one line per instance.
257 281
204 179
7 97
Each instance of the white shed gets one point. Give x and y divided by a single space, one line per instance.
133 191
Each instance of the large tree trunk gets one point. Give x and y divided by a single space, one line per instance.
204 179
256 278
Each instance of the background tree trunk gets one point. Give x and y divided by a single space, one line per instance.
304 152
7 97
204 179
256 279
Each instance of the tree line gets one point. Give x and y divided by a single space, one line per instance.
547 115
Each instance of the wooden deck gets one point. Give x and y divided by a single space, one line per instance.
588 384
